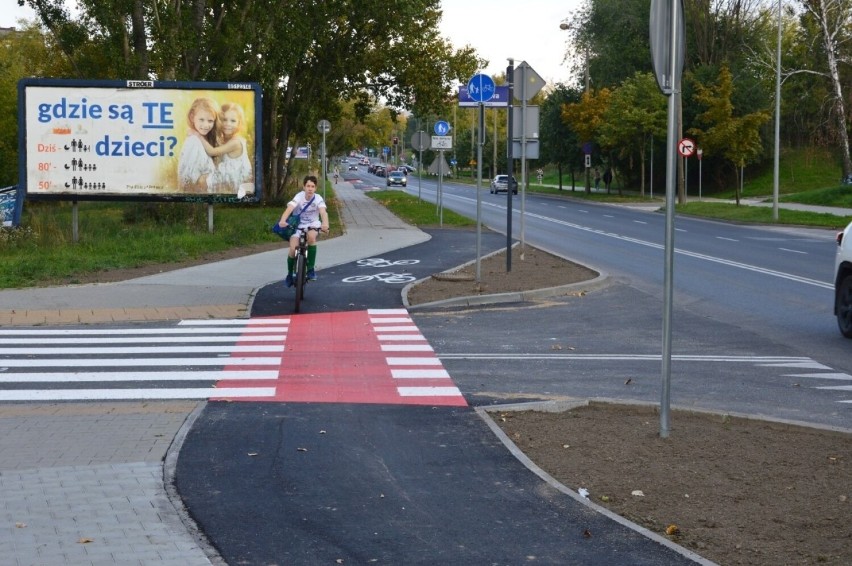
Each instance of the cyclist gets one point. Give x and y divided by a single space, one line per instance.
313 217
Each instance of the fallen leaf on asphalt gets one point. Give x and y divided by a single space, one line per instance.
85 540
637 493
605 498
556 347
587 533
301 449
629 379
20 525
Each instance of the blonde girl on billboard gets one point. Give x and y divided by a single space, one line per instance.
231 153
196 169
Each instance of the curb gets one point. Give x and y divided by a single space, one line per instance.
599 282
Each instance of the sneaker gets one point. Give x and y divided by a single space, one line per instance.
288 281
312 275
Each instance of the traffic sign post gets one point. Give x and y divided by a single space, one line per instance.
530 84
481 89
419 141
323 127
667 38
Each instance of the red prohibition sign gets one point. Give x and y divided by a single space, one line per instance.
686 147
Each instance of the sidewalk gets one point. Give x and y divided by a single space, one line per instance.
86 483
219 290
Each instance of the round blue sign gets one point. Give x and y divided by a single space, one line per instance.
480 88
442 128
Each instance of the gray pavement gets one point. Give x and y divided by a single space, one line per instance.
89 483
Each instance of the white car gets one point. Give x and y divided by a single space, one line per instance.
843 282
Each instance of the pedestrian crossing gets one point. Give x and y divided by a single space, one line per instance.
336 357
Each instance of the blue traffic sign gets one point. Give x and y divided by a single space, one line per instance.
480 88
442 128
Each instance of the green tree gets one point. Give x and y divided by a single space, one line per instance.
559 144
309 57
25 53
635 115
736 138
586 117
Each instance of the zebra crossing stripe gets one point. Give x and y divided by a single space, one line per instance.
108 376
130 394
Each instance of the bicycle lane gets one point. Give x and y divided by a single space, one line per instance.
346 470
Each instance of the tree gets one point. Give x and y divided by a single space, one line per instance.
636 113
737 139
834 20
309 57
25 53
559 143
586 117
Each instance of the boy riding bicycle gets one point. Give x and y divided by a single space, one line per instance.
313 216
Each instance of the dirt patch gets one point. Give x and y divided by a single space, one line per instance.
736 491
537 270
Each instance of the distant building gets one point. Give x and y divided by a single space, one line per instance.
7 31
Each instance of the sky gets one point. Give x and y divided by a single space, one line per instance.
496 29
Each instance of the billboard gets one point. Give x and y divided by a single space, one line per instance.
139 140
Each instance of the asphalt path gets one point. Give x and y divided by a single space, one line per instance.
363 484
376 282
320 483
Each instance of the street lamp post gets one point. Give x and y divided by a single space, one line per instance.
565 26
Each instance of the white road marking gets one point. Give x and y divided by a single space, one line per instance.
84 376
122 394
420 374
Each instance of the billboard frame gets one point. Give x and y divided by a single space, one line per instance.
249 192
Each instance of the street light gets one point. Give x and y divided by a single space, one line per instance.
566 26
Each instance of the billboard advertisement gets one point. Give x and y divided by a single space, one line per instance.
139 140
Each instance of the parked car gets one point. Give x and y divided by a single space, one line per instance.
397 178
500 183
843 282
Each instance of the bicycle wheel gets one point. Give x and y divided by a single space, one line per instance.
301 277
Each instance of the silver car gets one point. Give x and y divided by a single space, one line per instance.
500 184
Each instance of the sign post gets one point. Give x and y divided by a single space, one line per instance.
481 89
667 33
441 141
323 127
419 142
531 83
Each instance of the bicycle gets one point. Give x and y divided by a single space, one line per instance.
301 267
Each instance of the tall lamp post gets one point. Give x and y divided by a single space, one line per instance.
776 168
565 26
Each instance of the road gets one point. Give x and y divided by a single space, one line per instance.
753 328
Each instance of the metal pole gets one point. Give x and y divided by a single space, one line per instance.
420 168
75 232
776 169
671 187
523 163
441 188
479 142
510 166
323 164
210 217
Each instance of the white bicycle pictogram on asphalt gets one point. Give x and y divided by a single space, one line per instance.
379 262
385 277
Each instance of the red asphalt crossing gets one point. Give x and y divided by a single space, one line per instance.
375 356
